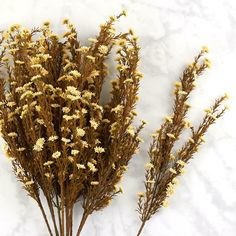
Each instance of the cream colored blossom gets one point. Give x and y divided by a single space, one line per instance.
168 119
39 145
180 162
170 189
80 132
65 140
117 109
80 166
12 134
93 124
94 183
172 171
99 149
52 138
191 140
170 135
91 58
165 203
140 194
11 104
74 152
66 109
83 49
130 130
103 49
19 62
149 166
28 183
75 73
48 163
56 154
91 167
182 92
204 49
27 93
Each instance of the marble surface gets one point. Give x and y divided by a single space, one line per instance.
171 33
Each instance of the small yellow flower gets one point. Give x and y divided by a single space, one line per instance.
65 140
207 63
93 123
91 167
180 162
178 84
65 21
149 166
80 132
46 23
12 134
172 171
29 183
191 140
117 109
103 49
19 62
140 194
168 119
170 135
172 157
80 166
74 152
52 138
39 145
56 154
99 149
94 183
181 92
48 163
75 73
202 138
130 130
205 49
165 203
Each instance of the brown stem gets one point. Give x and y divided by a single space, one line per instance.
71 221
82 222
53 216
141 228
62 208
44 216
58 212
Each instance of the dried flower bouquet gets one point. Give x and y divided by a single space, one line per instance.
61 140
64 144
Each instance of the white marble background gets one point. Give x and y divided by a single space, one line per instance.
171 33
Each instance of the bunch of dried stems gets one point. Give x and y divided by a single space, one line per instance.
61 140
66 146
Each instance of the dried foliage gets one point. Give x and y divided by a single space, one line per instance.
166 163
63 143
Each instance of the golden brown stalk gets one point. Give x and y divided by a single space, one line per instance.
165 164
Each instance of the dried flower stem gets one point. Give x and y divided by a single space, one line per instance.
164 165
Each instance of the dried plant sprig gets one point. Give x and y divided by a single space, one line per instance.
61 140
165 164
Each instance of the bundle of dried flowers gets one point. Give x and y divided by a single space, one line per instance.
166 163
62 142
